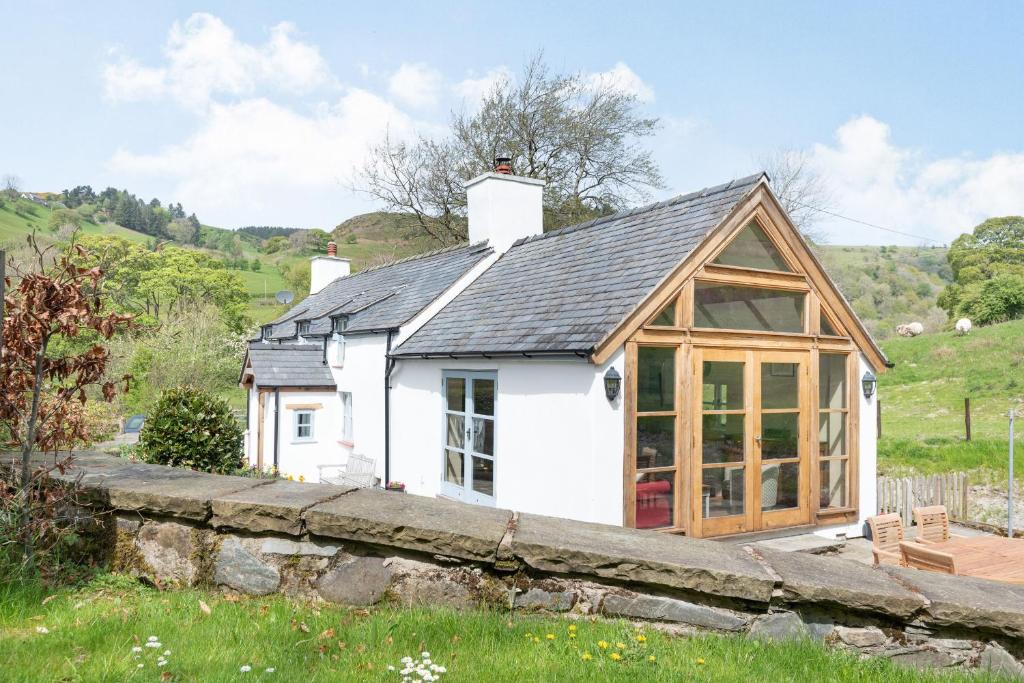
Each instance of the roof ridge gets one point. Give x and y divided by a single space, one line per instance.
414 257
678 199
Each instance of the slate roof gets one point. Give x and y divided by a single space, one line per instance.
288 365
384 297
565 290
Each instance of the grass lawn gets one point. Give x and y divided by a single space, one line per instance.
14 226
923 401
88 635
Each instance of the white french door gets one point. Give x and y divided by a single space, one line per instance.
468 470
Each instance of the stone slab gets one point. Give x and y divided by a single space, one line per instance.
779 627
810 579
553 601
239 569
429 525
631 555
657 608
362 581
277 506
966 601
286 546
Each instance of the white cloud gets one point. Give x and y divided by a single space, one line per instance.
251 161
471 90
625 80
877 181
417 85
204 58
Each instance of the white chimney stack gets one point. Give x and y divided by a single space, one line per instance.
504 207
324 270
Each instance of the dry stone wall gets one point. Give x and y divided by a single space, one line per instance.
364 547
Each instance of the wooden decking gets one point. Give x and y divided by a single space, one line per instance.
986 557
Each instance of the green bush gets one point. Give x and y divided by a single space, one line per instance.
190 428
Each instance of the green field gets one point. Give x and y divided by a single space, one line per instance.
923 400
89 634
18 219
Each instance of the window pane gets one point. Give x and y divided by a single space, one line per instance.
779 435
456 431
831 434
722 492
832 380
655 441
826 326
655 496
483 476
656 374
456 388
723 438
780 486
483 436
667 315
751 248
747 308
780 385
453 469
833 484
483 396
723 386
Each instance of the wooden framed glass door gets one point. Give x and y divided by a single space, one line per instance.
750 460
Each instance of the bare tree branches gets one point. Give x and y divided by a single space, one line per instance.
579 135
801 190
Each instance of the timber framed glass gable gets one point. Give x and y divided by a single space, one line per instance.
740 390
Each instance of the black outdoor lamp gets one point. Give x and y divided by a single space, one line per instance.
612 383
868 382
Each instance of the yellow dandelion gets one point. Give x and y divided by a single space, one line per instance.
700 660
621 646
602 644
572 627
615 656
572 635
586 657
652 658
302 477
641 638
550 636
536 639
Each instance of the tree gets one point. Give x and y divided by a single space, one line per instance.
988 272
49 359
190 428
801 190
12 186
64 218
581 135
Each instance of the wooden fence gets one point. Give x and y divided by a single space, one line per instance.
903 494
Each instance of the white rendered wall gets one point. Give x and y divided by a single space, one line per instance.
867 504
504 208
558 440
323 270
362 374
300 459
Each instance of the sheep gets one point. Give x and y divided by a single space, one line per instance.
963 326
909 329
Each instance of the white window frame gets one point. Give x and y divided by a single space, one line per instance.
347 434
296 437
302 328
466 492
339 350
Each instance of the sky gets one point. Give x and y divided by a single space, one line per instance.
257 113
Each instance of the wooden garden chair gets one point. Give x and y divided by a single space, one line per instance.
932 524
920 556
886 536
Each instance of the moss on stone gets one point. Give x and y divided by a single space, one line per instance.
205 546
126 556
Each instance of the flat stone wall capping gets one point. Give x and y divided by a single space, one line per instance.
429 525
568 547
821 580
967 602
275 507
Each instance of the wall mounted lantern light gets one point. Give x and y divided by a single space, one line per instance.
868 382
612 383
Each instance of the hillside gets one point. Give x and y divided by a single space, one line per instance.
19 218
888 286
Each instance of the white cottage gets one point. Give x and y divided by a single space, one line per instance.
687 366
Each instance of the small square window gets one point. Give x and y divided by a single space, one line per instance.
302 327
340 324
266 330
303 430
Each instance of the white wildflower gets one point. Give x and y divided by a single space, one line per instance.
390 668
136 649
42 629
245 668
271 669
424 654
152 639
140 666
167 653
153 644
